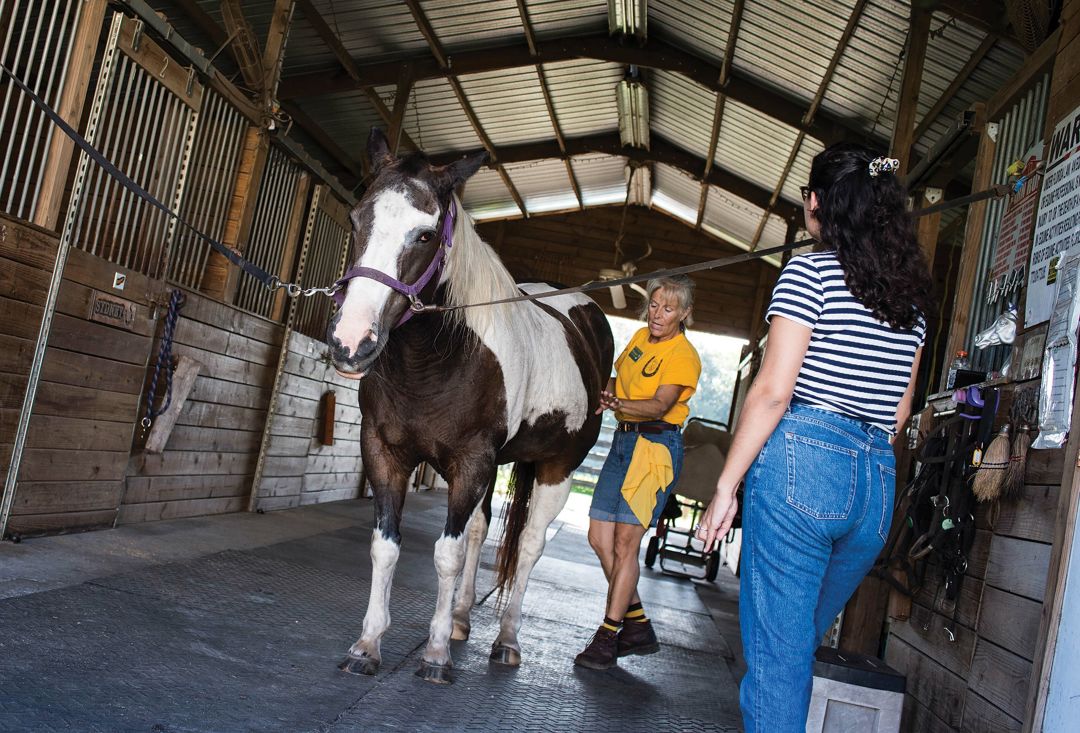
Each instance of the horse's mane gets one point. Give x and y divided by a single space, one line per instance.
475 274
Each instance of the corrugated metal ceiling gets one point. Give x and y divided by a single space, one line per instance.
784 46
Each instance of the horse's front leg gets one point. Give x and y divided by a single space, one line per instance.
389 480
544 505
476 530
467 482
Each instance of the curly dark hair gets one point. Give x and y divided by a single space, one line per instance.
865 220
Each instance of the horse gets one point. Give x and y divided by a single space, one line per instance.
463 389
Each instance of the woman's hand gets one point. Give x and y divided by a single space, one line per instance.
608 401
717 519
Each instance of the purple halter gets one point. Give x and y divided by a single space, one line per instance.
413 291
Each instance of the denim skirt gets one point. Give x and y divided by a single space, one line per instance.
608 503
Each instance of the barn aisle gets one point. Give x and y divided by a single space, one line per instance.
237 623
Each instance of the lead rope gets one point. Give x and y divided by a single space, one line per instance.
164 363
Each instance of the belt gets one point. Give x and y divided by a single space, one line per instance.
657 426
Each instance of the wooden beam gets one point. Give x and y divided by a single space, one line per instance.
973 233
741 87
660 151
954 87
293 235
927 230
718 107
274 52
242 44
72 99
437 51
401 103
322 139
910 83
777 191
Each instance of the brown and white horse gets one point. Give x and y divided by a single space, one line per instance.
464 390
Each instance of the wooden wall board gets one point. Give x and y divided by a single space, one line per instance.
50 431
284 466
222 392
980 716
295 426
220 366
220 440
216 339
340 479
1018 566
74 300
20 319
71 401
73 333
193 463
281 486
210 415
319 497
1010 621
1045 467
23 282
232 319
16 355
130 513
925 631
934 686
27 244
1001 677
1032 516
144 489
12 391
341 446
92 372
917 718
51 464
282 445
66 496
32 524
97 273
966 608
274 503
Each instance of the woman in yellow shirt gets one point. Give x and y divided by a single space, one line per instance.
654 378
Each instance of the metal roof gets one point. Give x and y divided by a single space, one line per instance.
782 53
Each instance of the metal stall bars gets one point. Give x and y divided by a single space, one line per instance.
1020 128
37 40
143 119
272 236
324 249
212 176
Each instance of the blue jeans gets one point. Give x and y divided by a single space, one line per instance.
818 504
608 503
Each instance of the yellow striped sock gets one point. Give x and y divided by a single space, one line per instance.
635 613
611 624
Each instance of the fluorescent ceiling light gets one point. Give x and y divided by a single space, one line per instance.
628 18
632 99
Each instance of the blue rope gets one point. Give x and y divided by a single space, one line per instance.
164 362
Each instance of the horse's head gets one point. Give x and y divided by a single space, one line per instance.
396 238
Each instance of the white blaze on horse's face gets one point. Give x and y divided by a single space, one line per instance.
394 220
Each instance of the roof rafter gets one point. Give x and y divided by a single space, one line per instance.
530 39
437 51
660 151
811 113
656 55
961 78
718 109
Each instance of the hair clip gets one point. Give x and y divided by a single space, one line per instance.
883 165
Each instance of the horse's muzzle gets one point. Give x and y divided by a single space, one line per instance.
352 353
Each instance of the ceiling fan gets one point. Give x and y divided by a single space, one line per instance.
626 269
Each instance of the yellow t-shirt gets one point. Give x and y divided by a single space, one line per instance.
643 367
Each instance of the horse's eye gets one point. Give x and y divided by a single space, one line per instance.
425 237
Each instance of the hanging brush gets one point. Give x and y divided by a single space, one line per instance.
1023 416
991 472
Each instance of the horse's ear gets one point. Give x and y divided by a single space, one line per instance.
462 170
378 149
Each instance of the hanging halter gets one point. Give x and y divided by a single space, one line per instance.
412 292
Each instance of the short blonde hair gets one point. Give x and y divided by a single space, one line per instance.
680 286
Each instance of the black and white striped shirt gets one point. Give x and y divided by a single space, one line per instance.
855 365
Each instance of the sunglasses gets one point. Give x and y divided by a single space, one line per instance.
805 191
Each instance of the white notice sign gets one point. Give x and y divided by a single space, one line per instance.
1057 225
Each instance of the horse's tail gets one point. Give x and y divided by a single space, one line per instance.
515 512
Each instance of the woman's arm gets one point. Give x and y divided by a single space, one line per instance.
765 403
653 408
903 410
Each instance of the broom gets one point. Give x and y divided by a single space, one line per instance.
1013 486
991 472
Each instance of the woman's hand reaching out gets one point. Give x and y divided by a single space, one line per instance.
717 519
608 401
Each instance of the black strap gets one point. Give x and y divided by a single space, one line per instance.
252 269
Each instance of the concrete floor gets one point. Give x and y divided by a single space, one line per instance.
237 623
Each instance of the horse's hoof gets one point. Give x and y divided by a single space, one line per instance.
437 673
460 632
359 665
502 654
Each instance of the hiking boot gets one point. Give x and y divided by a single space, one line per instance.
600 653
637 637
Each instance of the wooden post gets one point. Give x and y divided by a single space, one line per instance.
401 103
72 99
220 277
910 83
973 235
928 228
292 240
183 381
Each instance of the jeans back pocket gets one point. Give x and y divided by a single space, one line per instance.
821 477
888 491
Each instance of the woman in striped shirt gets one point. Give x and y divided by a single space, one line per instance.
814 439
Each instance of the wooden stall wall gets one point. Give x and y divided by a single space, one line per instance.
209 459
300 468
572 248
27 257
980 680
80 430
